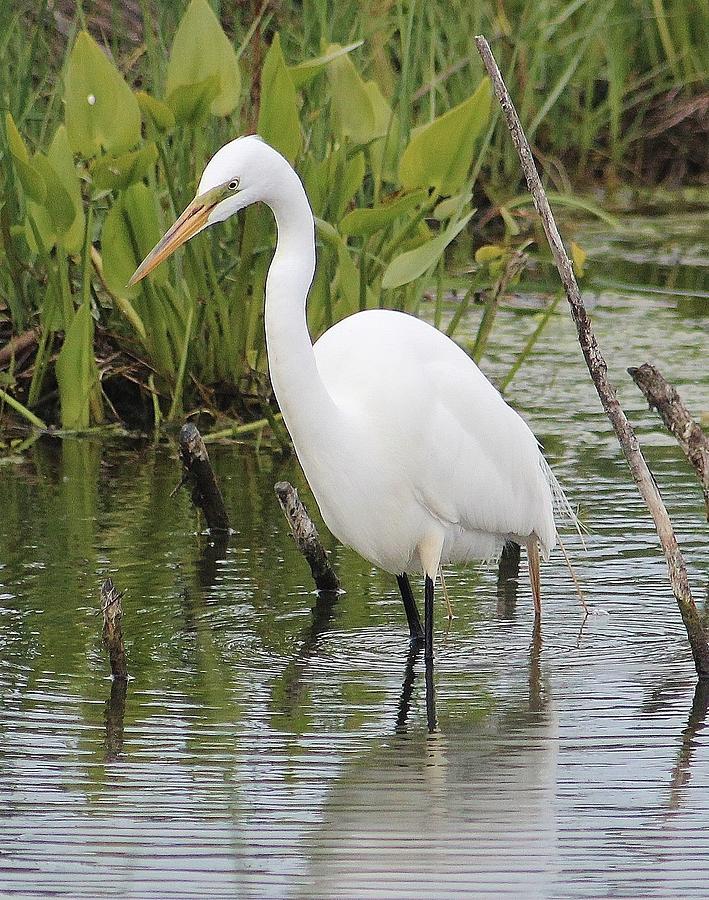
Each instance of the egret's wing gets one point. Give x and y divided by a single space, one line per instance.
470 457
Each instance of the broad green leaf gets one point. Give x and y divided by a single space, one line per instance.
278 121
130 231
77 375
440 154
346 277
101 110
51 314
352 179
54 216
410 265
118 172
383 149
191 102
315 178
352 105
332 182
62 161
29 177
579 256
58 203
157 115
363 222
489 252
306 71
202 50
450 206
511 226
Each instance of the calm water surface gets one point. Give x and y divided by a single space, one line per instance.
272 744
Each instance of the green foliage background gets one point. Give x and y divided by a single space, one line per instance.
380 105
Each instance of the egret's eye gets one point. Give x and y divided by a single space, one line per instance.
233 185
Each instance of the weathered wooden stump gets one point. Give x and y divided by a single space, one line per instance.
306 536
112 630
690 436
199 473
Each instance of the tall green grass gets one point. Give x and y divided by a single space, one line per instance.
356 95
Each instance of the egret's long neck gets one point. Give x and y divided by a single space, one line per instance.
304 400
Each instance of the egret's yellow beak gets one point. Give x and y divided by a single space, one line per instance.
189 223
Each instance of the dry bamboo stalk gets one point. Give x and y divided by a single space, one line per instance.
306 537
599 374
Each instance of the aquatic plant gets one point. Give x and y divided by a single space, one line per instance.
390 129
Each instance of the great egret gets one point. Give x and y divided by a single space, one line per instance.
412 455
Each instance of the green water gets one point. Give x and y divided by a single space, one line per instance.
271 744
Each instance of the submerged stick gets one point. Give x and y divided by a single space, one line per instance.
198 471
690 436
598 369
112 630
306 536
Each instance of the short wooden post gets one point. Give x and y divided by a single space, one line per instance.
112 630
306 536
198 471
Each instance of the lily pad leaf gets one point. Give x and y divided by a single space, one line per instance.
409 266
119 172
101 110
363 222
200 51
440 154
278 120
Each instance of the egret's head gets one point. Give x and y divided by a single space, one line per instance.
238 175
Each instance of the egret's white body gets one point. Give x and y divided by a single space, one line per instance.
429 464
412 455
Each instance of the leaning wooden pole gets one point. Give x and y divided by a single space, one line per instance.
599 374
306 537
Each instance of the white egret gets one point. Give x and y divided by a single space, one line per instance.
413 457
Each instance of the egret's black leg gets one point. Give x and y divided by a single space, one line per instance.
412 613
430 698
428 619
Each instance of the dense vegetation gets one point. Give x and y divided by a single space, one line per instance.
113 110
